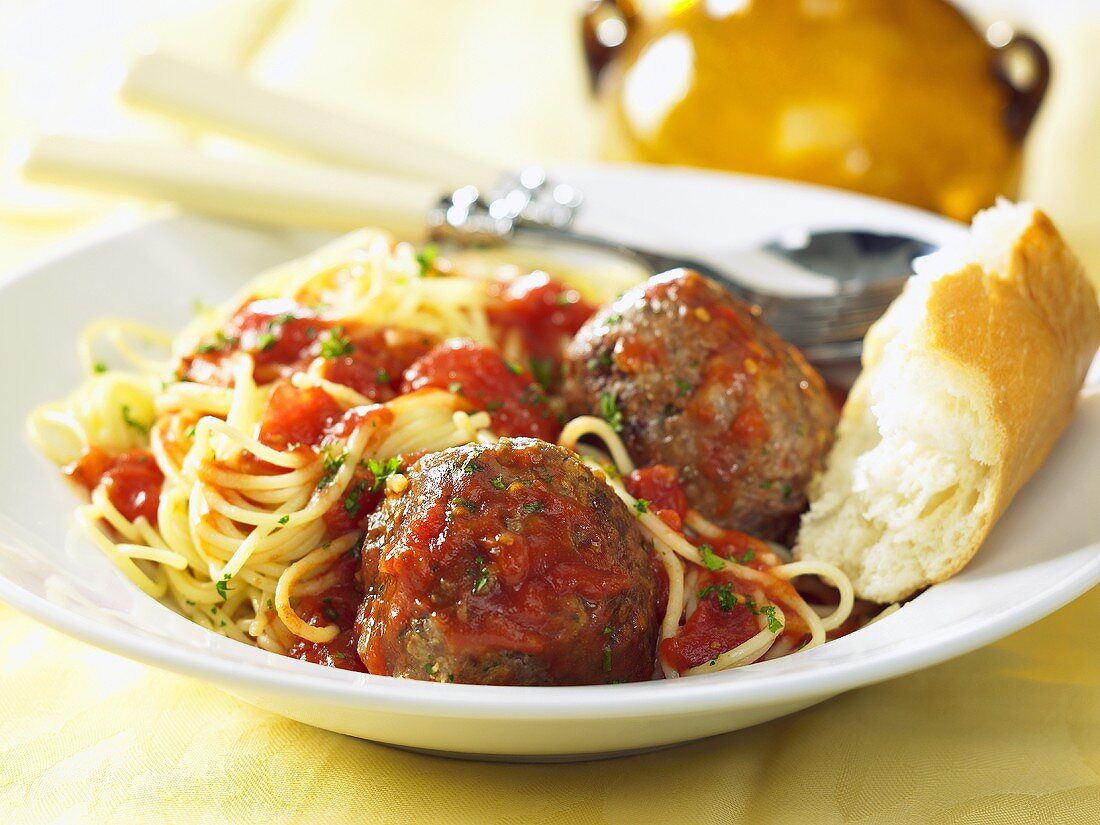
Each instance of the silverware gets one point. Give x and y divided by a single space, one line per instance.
864 270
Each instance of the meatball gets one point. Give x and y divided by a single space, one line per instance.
694 379
511 564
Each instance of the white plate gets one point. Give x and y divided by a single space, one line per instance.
1045 551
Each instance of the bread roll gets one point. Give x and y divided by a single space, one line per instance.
968 380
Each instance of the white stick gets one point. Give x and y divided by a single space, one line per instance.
291 194
230 103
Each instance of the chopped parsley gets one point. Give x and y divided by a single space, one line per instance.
607 659
99 368
787 489
493 406
532 507
265 341
331 462
774 625
382 377
269 604
513 367
220 342
613 319
750 554
727 600
765 485
190 433
470 466
481 575
285 519
710 559
683 387
459 503
498 482
381 470
609 409
222 586
601 360
641 505
426 258
455 387
336 345
543 371
353 501
131 422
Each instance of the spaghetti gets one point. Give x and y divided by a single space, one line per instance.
231 469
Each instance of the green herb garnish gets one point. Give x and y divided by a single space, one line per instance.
131 422
459 503
426 258
609 409
727 599
381 470
331 462
353 499
481 575
641 505
336 345
543 371
222 586
710 559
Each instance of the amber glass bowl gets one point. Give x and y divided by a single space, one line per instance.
903 99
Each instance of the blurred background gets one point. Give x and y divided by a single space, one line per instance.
941 104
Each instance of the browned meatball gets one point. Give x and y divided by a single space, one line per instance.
509 565
696 380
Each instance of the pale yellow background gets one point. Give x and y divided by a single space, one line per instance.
1010 734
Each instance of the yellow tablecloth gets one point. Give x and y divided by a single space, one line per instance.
1009 734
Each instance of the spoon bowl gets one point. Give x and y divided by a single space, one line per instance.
857 272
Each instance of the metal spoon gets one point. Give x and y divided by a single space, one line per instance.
864 270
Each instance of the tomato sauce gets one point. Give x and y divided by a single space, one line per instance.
516 404
337 605
377 360
297 417
544 313
712 629
284 337
132 480
659 486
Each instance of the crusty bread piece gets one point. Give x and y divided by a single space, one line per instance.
967 382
